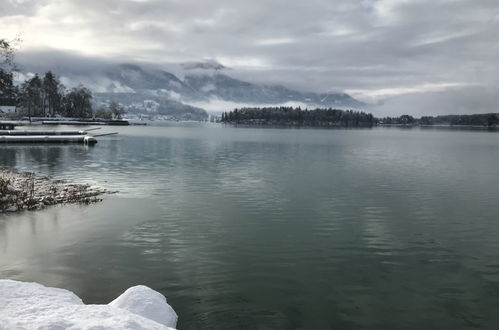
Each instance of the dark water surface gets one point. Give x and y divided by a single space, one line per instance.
274 228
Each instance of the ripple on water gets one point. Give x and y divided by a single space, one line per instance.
277 229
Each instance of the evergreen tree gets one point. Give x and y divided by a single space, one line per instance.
53 92
31 96
492 120
8 92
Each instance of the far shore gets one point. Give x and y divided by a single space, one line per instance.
28 191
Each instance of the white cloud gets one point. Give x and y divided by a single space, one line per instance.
389 11
274 41
216 105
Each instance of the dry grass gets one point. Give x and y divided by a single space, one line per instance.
25 191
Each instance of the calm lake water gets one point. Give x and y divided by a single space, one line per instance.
246 228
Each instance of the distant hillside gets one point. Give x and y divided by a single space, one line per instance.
195 85
226 88
204 85
151 105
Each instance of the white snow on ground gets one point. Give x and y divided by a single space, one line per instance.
148 303
33 306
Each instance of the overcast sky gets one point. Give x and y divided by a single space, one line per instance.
415 54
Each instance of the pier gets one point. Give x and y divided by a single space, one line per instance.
87 122
81 139
39 132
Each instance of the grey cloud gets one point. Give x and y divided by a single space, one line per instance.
474 99
320 45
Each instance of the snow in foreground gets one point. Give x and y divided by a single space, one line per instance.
33 306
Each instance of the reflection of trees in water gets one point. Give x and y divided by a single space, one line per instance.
50 159
54 158
46 156
3 236
8 157
37 155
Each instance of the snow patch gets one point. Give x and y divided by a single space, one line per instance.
33 306
148 303
174 96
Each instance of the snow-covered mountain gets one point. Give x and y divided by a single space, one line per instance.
223 87
207 85
194 87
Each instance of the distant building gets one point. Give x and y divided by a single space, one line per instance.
5 109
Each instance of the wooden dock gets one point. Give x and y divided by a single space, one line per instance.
48 136
81 139
40 132
87 122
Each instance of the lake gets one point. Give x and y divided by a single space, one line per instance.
251 228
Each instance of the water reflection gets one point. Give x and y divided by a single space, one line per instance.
290 229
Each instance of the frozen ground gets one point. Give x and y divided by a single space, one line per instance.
33 306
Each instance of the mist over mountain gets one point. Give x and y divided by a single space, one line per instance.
226 88
202 84
187 91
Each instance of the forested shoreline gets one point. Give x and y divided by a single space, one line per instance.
46 96
289 116
483 119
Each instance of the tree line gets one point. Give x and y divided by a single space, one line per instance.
290 116
46 96
483 119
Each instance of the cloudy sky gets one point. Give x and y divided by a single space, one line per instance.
425 56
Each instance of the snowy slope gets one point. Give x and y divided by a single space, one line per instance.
203 85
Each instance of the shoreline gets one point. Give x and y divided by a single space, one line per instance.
29 305
21 191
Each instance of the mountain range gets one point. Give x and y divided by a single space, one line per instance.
188 95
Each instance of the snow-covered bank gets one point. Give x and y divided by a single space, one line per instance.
33 306
27 191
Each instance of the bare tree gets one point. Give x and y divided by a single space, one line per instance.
117 110
77 103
